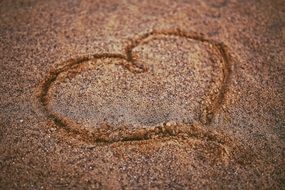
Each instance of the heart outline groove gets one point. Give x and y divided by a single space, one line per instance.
108 134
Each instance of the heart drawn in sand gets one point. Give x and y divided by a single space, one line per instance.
162 83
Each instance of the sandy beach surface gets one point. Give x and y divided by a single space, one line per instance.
142 94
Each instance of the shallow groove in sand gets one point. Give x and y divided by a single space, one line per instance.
110 134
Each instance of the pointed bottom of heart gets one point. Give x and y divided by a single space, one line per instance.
109 134
204 144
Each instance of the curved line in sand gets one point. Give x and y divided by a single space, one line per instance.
121 134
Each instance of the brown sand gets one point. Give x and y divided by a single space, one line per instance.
142 95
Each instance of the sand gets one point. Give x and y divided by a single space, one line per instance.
142 95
